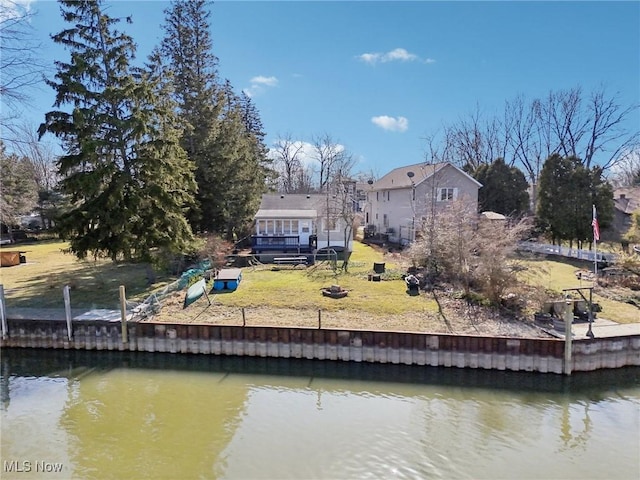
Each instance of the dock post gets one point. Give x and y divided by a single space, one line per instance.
67 309
568 320
3 313
123 314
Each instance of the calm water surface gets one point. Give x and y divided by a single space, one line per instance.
128 416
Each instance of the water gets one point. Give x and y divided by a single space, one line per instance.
124 415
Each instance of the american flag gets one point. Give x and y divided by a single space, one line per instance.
595 225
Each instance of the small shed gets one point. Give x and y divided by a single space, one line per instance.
11 258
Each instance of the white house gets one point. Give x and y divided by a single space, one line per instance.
398 202
298 223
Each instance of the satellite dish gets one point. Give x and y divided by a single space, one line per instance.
410 174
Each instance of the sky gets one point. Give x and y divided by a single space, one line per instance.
380 77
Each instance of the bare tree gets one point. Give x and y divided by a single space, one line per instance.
607 117
331 157
588 128
626 171
288 164
524 138
41 155
566 122
472 254
475 140
21 67
345 205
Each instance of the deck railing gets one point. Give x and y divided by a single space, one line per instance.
580 254
277 243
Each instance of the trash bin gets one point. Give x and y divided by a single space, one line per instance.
378 267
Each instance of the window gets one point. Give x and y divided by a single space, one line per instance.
330 224
389 195
447 194
377 196
270 227
385 220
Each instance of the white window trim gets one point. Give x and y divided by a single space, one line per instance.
441 190
336 223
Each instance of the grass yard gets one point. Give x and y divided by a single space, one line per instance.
268 289
39 282
286 287
554 276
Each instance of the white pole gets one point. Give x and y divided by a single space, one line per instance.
568 320
123 313
3 313
67 308
596 234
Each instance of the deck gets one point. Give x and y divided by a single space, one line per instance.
279 243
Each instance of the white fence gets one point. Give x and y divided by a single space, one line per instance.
577 253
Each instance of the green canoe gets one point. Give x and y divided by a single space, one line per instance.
194 292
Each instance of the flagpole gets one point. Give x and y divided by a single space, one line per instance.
596 237
595 258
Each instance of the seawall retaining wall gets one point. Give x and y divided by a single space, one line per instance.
410 348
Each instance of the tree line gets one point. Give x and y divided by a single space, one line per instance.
158 153
153 154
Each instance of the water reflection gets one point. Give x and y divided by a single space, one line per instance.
132 415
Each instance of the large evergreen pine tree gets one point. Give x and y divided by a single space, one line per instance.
187 51
504 188
223 133
127 177
240 151
567 191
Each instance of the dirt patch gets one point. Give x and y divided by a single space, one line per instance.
458 317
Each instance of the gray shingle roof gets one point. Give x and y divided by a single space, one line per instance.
291 205
398 178
627 199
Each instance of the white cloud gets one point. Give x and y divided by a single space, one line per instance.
399 54
267 81
393 124
10 9
259 84
395 55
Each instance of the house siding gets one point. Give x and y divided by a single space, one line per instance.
401 209
309 211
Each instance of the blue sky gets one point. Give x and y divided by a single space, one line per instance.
380 76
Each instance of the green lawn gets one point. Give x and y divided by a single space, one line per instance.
555 276
300 288
39 283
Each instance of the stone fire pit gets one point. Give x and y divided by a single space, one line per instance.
335 291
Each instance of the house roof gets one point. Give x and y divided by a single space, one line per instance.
290 206
626 199
399 178
493 215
